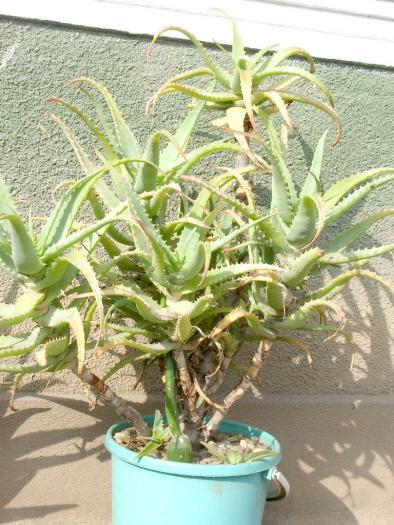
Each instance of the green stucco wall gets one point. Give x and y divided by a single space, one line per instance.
35 157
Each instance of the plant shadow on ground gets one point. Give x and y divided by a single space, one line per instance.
24 454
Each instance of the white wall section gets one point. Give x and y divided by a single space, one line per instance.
349 30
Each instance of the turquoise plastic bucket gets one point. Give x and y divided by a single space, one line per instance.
151 491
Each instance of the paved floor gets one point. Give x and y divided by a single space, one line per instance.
338 458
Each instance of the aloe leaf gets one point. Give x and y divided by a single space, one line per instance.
234 203
348 236
7 204
245 78
238 50
7 207
336 285
227 272
127 141
232 317
145 241
147 175
277 101
100 213
283 54
103 120
147 307
24 255
190 308
171 227
196 155
174 80
159 198
311 101
59 286
224 241
64 244
254 59
149 228
97 132
358 255
21 345
113 341
284 196
300 267
259 454
79 261
338 190
218 72
57 346
300 317
311 185
81 155
192 264
7 265
109 150
275 297
218 97
70 317
18 369
191 235
52 275
236 122
297 343
271 232
348 202
297 72
23 308
61 219
304 227
183 329
170 155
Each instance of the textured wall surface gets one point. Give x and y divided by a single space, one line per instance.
37 60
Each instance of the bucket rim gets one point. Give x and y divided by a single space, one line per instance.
193 469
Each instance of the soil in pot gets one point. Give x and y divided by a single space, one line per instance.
221 449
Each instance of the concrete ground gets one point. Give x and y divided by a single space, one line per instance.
338 457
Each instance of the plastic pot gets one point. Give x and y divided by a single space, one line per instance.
150 491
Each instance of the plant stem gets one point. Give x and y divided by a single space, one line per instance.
171 401
120 405
235 395
189 394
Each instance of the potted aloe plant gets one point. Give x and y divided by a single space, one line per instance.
185 273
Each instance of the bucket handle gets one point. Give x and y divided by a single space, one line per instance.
282 486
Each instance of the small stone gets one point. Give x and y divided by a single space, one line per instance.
121 437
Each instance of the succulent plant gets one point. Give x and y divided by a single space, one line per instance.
193 273
249 83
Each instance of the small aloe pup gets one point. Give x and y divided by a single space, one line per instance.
184 272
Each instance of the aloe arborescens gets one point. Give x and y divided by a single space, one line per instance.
189 279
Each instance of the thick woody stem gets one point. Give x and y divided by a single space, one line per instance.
189 393
108 397
235 395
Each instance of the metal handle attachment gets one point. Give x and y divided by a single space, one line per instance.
283 486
